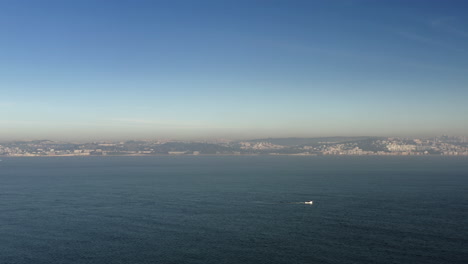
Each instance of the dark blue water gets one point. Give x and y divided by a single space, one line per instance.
234 210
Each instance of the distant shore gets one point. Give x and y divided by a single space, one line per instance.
227 155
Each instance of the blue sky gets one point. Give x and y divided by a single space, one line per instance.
232 69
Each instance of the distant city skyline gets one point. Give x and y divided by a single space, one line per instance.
115 70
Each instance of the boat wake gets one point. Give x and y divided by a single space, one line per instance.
306 202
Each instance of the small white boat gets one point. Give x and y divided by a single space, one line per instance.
309 202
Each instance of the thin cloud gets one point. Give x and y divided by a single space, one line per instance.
429 41
446 24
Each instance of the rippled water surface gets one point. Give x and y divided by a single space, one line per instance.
234 210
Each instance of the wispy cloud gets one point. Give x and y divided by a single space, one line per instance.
447 24
417 37
430 41
377 58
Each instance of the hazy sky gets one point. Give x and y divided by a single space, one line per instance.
233 69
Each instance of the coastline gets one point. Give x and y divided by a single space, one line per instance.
225 155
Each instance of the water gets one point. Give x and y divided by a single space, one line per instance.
234 210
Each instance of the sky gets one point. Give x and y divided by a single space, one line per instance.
88 70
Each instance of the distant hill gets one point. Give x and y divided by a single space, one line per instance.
308 141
